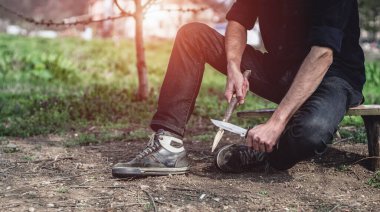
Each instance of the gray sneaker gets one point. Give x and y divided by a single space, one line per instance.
239 158
163 155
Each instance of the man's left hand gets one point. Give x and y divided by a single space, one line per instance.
264 137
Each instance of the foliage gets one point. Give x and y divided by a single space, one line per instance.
375 180
60 85
357 135
369 15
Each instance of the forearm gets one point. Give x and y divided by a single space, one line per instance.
236 39
308 78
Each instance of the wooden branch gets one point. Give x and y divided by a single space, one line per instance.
148 3
123 12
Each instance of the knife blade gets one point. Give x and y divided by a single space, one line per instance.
230 127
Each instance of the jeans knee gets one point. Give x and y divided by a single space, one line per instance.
191 30
312 134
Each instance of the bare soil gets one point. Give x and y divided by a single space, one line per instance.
47 176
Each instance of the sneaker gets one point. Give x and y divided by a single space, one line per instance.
163 155
239 158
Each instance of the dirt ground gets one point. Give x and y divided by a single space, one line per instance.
47 176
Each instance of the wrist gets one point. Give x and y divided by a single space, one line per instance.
277 121
233 66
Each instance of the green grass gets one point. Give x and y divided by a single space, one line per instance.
375 180
66 84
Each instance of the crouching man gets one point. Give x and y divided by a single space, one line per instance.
314 71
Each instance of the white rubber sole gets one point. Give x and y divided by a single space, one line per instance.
121 172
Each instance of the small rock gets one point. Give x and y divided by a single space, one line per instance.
11 148
216 199
355 204
162 187
50 205
202 196
8 188
31 209
143 187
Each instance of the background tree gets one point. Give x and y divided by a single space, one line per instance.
138 15
370 17
44 9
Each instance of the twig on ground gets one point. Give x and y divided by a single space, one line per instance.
151 200
181 189
10 206
356 175
47 160
98 186
366 158
136 203
342 140
165 203
335 207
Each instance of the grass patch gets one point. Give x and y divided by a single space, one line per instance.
61 85
62 190
355 134
204 137
375 180
342 168
94 138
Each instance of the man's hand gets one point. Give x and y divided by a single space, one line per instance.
264 137
236 84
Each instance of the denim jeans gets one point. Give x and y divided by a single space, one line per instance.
313 125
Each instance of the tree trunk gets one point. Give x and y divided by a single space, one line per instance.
143 89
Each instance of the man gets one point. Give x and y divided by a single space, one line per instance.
314 70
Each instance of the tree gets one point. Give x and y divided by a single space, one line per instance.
370 16
44 9
138 15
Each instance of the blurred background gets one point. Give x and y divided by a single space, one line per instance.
93 68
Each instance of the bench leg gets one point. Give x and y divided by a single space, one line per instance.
372 126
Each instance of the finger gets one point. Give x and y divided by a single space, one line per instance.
268 148
255 144
229 92
262 147
249 141
239 94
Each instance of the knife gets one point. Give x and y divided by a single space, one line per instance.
230 127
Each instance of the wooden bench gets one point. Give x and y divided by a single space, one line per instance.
370 115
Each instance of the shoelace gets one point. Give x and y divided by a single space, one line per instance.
151 147
250 156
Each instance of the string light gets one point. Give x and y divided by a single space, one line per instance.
89 20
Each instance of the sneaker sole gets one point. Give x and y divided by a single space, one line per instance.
218 161
125 172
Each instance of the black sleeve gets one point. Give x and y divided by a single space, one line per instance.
328 22
244 12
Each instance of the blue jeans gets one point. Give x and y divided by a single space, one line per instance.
313 125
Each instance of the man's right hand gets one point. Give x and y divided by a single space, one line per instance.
236 83
236 39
